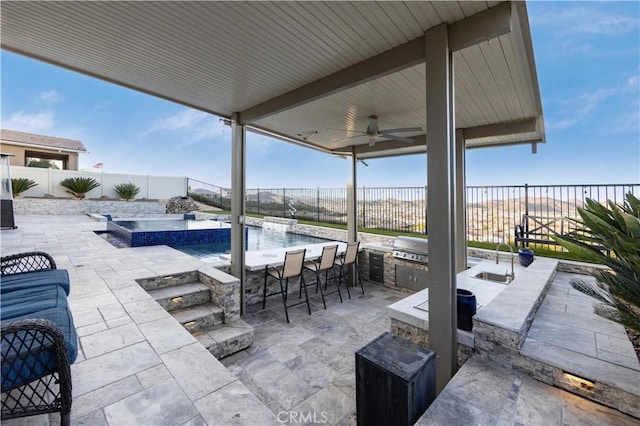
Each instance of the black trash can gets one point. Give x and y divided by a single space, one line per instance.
395 381
466 308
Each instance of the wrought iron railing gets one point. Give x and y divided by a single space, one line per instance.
492 211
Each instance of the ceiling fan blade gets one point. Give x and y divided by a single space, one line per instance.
348 131
403 130
350 137
398 138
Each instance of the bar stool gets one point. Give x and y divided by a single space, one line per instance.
350 258
325 263
292 267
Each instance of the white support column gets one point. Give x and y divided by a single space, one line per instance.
461 203
441 176
352 213
238 178
352 202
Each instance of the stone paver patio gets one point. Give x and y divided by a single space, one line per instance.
139 366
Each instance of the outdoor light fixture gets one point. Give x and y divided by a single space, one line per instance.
534 148
578 383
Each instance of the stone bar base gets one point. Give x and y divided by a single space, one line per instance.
421 337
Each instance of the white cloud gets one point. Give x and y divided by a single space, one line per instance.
98 106
579 108
194 125
182 120
587 102
49 96
581 29
559 124
32 123
584 20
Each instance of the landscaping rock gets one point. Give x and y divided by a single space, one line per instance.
181 205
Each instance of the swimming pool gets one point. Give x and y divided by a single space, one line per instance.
257 239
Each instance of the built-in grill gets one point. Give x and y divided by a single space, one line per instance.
410 248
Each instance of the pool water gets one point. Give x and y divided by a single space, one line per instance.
257 239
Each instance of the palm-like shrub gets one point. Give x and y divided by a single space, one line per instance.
79 186
127 191
19 185
618 290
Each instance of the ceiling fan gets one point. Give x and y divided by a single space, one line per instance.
374 133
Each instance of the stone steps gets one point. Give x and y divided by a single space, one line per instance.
227 339
508 331
163 281
190 303
200 317
181 296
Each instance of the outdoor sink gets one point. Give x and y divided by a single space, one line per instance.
492 276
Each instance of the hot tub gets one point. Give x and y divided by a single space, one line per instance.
170 232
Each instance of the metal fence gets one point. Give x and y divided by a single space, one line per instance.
492 211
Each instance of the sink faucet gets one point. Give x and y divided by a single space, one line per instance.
512 275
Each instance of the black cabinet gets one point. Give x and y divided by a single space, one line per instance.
376 267
395 381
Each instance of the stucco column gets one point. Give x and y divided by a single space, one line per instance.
238 183
352 202
461 203
441 203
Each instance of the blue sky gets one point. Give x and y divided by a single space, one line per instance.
588 60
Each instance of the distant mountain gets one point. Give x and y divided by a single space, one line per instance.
266 197
204 191
537 206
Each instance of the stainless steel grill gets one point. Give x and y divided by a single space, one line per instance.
411 248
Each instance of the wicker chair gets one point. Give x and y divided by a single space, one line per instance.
26 262
36 353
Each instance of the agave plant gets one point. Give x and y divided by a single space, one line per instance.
19 185
127 191
618 289
79 186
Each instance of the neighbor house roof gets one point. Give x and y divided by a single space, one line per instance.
12 137
308 72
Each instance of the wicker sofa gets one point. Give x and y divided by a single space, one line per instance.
39 340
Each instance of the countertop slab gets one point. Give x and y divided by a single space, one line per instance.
504 305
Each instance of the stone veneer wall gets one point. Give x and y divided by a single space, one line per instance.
254 285
56 206
421 337
225 291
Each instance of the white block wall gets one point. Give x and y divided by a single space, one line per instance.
151 187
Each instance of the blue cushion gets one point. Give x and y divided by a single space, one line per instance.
34 279
22 367
46 302
27 301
